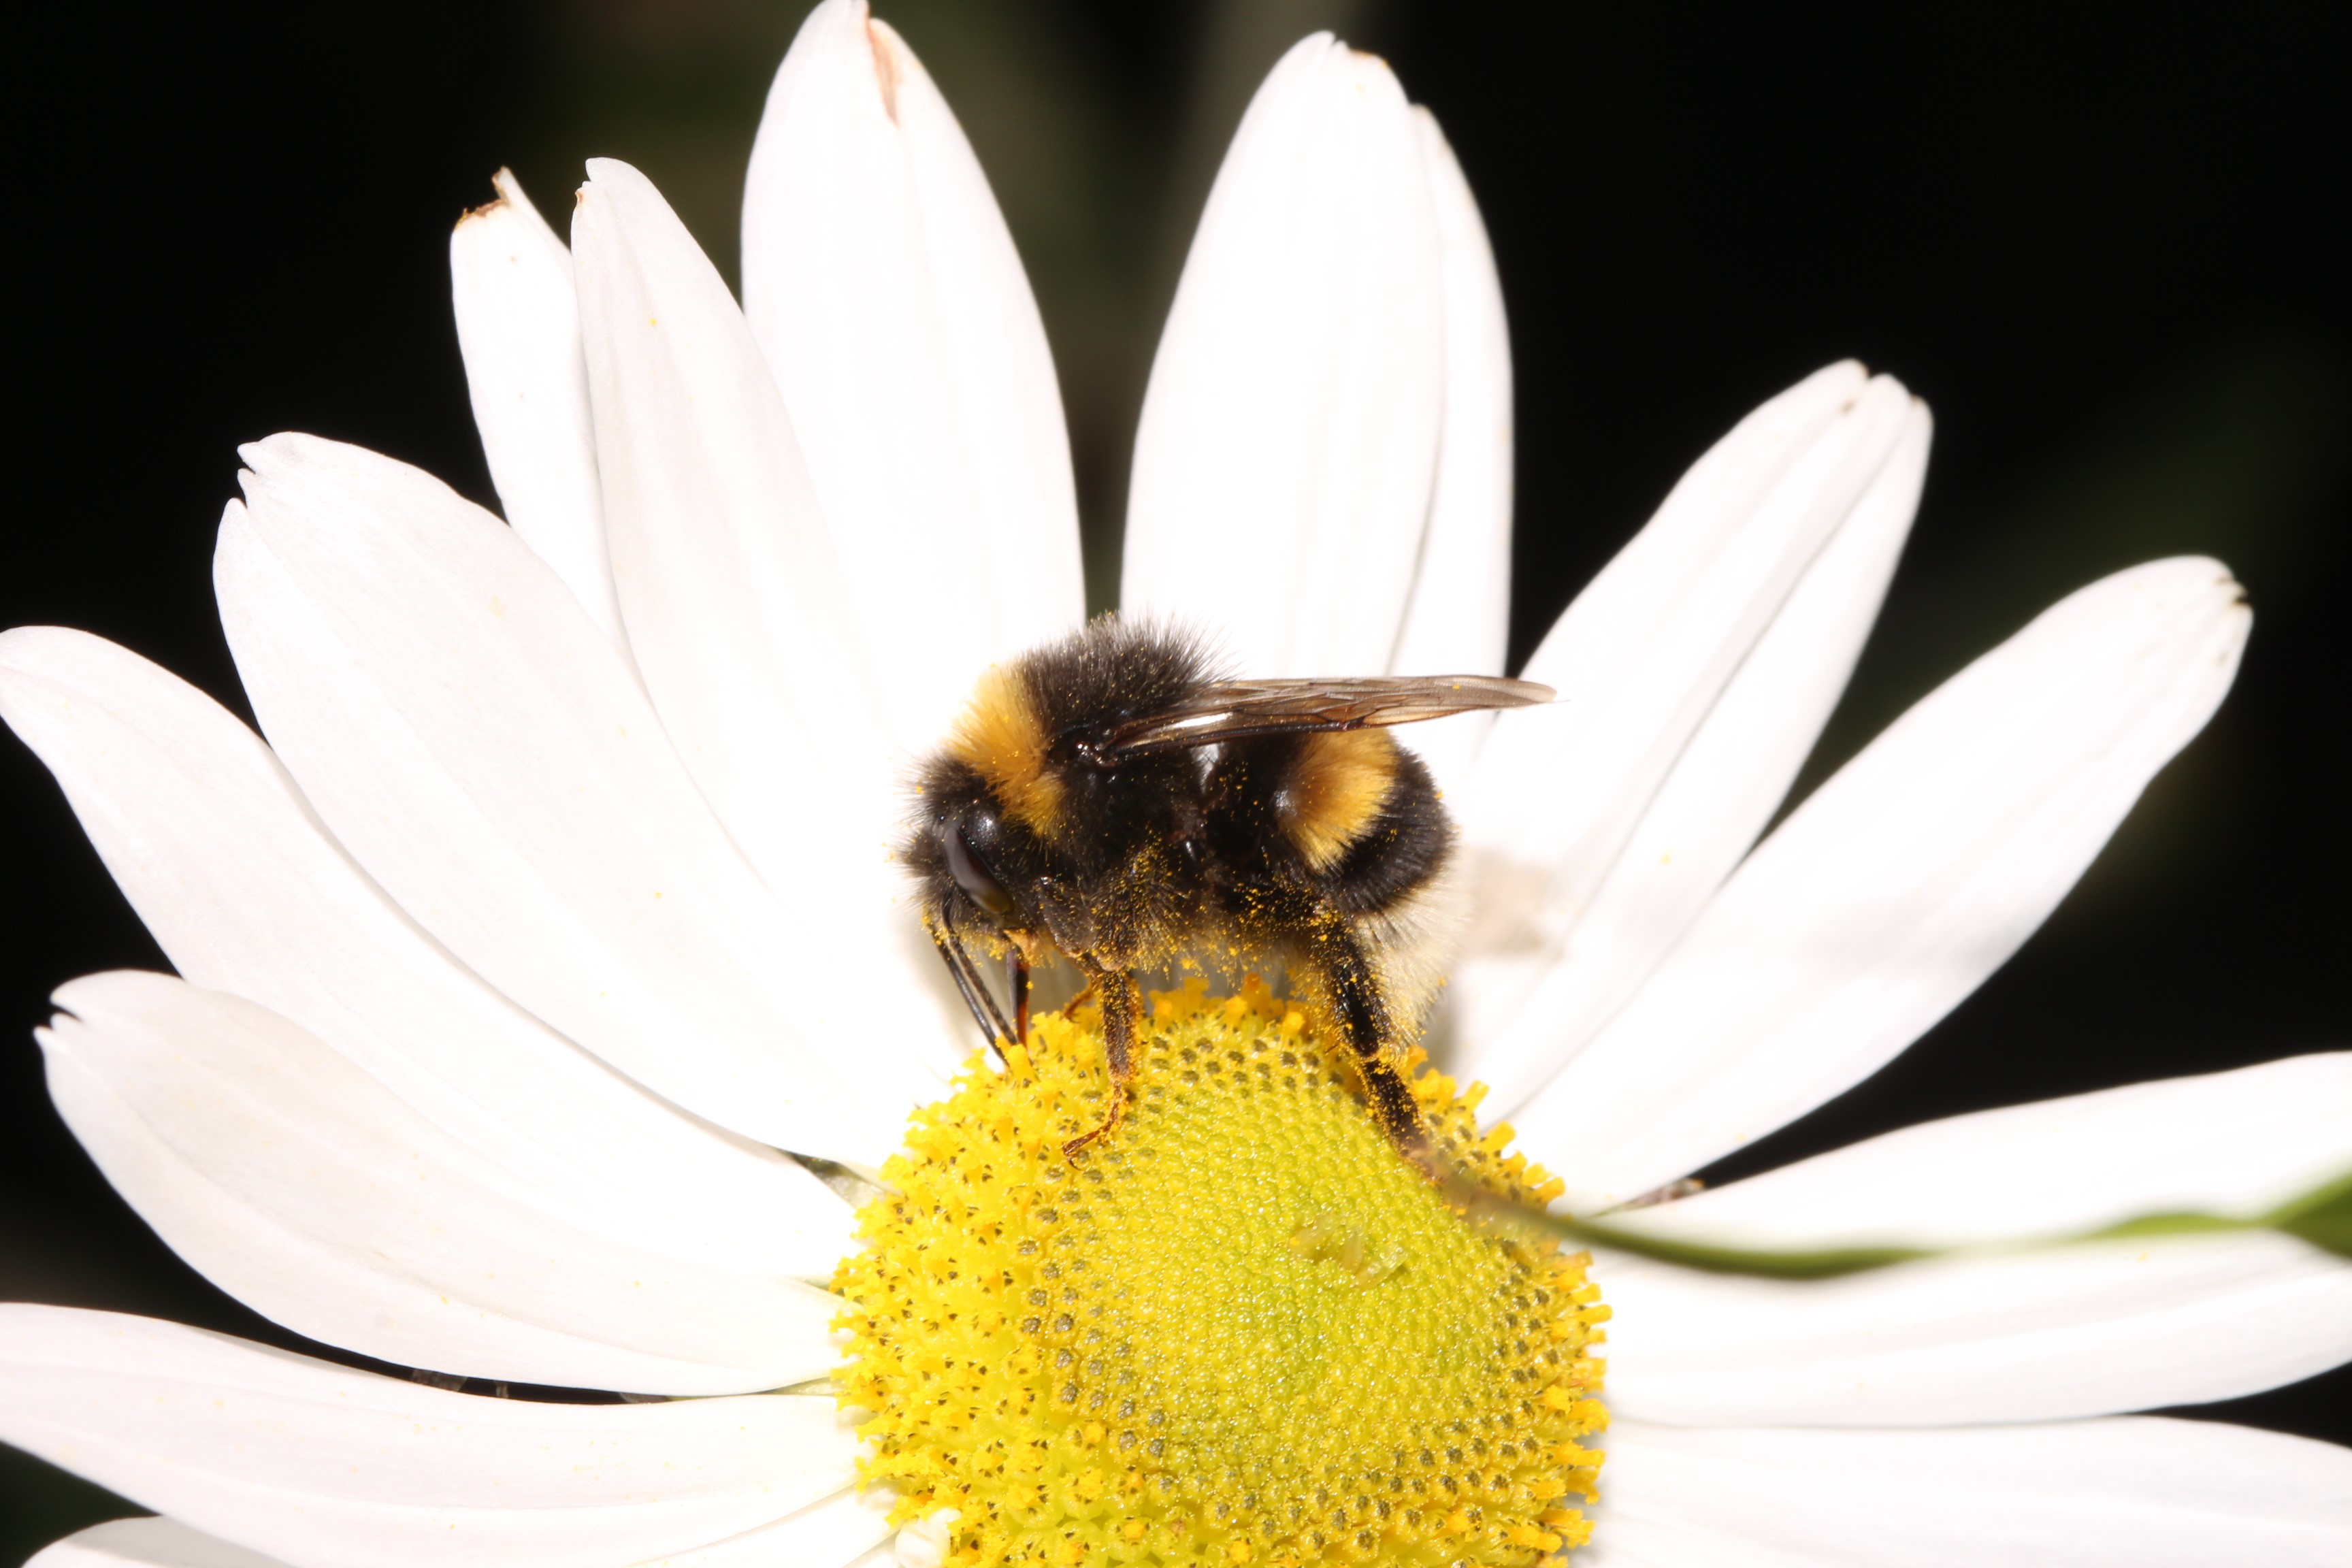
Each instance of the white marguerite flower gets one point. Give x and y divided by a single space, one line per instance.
558 899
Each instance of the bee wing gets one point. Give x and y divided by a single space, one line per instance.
1239 710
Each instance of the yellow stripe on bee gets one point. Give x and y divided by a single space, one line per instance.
1001 738
1343 779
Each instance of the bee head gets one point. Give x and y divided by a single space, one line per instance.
978 868
966 840
992 800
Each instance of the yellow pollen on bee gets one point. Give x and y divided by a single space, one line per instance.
1240 1330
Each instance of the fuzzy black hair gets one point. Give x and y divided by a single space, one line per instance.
1110 670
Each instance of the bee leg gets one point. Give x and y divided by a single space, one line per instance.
1120 1006
1354 993
1016 974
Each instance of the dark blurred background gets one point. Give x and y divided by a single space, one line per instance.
2102 240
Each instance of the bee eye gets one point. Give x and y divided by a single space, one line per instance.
972 875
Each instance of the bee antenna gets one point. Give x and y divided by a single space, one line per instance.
966 974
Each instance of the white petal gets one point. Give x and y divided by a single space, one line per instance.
222 859
739 610
1458 619
323 1466
734 601
882 283
246 894
838 1530
1900 885
485 753
1723 789
149 1542
1641 660
826 1534
310 1192
2129 1493
518 328
2238 1144
1290 439
2035 1336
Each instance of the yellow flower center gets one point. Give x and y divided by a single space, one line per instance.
1240 1330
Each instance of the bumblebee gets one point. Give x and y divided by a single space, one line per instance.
1109 798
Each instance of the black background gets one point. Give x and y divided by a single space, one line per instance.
2102 244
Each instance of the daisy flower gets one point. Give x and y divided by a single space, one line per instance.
556 908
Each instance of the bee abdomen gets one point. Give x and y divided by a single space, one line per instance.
1397 887
1333 790
1399 847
